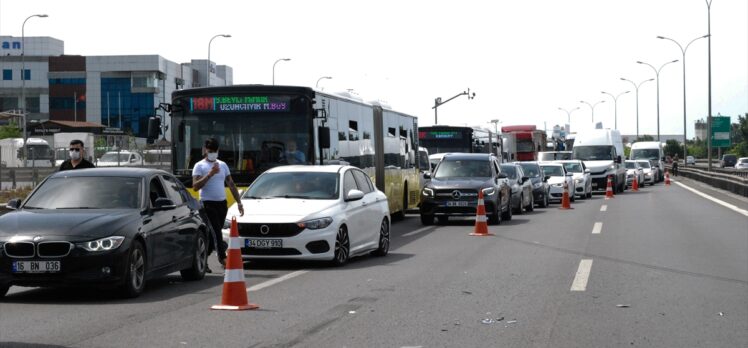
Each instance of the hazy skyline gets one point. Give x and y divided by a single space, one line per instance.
523 59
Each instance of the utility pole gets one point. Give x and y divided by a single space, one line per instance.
438 102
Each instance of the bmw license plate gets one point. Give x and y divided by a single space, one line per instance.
594 185
36 266
457 203
263 243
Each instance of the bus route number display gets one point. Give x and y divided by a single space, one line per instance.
230 104
440 135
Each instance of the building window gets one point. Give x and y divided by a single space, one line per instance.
7 74
32 104
27 74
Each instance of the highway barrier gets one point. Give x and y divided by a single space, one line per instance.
717 178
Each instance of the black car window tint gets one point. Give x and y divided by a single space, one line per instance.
361 181
349 183
172 188
156 191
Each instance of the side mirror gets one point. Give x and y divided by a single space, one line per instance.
427 175
354 195
569 174
503 176
545 178
587 171
13 204
164 204
618 159
524 178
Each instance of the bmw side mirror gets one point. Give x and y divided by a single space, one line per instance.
545 178
164 204
354 195
503 176
13 204
427 175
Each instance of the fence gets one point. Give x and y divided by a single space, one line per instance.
726 179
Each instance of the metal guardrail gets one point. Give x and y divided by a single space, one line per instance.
22 177
719 177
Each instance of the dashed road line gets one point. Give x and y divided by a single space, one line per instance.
272 282
715 200
583 274
597 228
422 229
604 207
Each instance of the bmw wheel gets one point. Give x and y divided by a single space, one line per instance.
427 220
531 206
342 247
519 205
507 214
135 272
199 261
544 202
384 239
495 217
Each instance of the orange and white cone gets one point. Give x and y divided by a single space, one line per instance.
667 178
609 189
234 288
565 201
481 225
635 184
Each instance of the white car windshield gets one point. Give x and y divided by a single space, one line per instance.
630 165
573 167
644 164
304 185
553 170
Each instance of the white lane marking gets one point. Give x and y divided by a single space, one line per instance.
417 231
272 282
604 207
583 274
715 200
597 228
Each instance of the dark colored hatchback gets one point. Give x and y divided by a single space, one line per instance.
116 227
453 189
728 161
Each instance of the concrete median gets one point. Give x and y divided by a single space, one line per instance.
730 182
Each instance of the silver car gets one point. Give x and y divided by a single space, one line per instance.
581 175
557 176
633 169
649 172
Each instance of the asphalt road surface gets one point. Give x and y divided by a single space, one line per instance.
663 267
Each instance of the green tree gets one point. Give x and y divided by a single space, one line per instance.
672 147
10 131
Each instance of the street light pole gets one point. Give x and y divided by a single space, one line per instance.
683 51
438 102
709 63
657 75
207 71
23 83
615 106
568 114
637 101
276 62
593 109
322 78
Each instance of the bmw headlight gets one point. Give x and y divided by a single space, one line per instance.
103 244
428 192
316 223
489 191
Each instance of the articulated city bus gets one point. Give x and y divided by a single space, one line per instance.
258 126
442 139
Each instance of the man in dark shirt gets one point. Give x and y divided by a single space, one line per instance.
77 157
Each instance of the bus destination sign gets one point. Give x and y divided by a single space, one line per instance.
230 104
440 135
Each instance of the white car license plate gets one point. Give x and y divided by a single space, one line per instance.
457 204
264 243
594 185
36 266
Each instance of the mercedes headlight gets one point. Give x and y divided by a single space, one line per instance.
316 224
489 191
428 192
103 244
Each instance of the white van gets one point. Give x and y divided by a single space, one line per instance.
120 159
602 152
652 151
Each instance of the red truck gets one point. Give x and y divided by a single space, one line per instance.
522 143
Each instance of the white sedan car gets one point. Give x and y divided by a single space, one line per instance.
649 172
741 163
330 212
581 175
633 169
557 175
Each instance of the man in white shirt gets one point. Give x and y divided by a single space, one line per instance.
209 176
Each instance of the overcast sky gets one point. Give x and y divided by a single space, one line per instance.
522 58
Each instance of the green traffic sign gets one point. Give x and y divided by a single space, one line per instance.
721 131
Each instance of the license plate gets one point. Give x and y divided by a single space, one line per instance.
36 266
457 204
263 243
594 185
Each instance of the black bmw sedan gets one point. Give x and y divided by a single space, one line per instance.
113 227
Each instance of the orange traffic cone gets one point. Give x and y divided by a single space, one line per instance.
481 227
609 189
234 289
667 178
565 201
635 185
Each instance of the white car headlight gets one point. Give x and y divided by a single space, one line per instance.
578 181
428 192
103 244
558 185
316 223
489 191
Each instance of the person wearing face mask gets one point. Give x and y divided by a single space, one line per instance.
208 177
77 157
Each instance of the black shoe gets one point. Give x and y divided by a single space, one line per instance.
207 269
222 261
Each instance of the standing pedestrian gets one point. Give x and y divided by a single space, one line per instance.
77 159
209 176
675 165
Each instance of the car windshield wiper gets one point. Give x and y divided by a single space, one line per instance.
27 207
290 196
76 208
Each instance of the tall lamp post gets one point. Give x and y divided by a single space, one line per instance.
322 78
593 108
683 51
438 102
637 101
709 63
568 114
23 82
276 62
207 71
496 134
615 106
657 76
